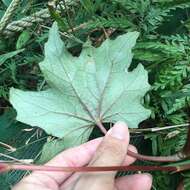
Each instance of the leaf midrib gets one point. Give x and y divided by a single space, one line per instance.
77 95
62 113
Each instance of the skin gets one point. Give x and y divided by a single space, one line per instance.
107 151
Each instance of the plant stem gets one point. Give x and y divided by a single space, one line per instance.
88 168
9 147
7 166
155 129
93 169
172 158
11 158
181 185
101 127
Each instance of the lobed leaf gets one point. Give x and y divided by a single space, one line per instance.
84 90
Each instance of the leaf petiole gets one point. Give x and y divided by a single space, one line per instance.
7 166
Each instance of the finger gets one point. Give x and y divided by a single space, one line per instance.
71 180
78 156
32 186
112 151
128 159
134 182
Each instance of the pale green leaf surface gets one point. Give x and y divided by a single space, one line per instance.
84 90
53 147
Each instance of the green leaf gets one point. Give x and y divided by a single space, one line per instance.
1 13
6 56
85 90
88 5
24 145
23 39
7 2
53 147
7 132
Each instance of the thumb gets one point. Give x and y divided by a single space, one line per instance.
113 149
111 152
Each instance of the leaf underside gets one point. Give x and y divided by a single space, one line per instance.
94 87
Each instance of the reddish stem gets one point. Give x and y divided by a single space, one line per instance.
181 186
101 127
92 169
172 158
7 166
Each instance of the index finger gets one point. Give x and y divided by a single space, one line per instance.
78 156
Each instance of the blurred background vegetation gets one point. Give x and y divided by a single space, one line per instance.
163 48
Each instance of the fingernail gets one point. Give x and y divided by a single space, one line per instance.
119 130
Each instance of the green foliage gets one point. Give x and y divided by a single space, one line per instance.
23 39
6 56
186 181
6 2
21 139
171 76
54 146
51 149
115 22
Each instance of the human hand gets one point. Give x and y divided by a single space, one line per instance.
107 151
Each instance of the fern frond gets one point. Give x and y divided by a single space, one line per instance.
182 101
149 15
178 118
155 17
157 51
179 104
111 22
185 39
181 39
173 4
138 7
173 141
172 75
147 55
166 48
